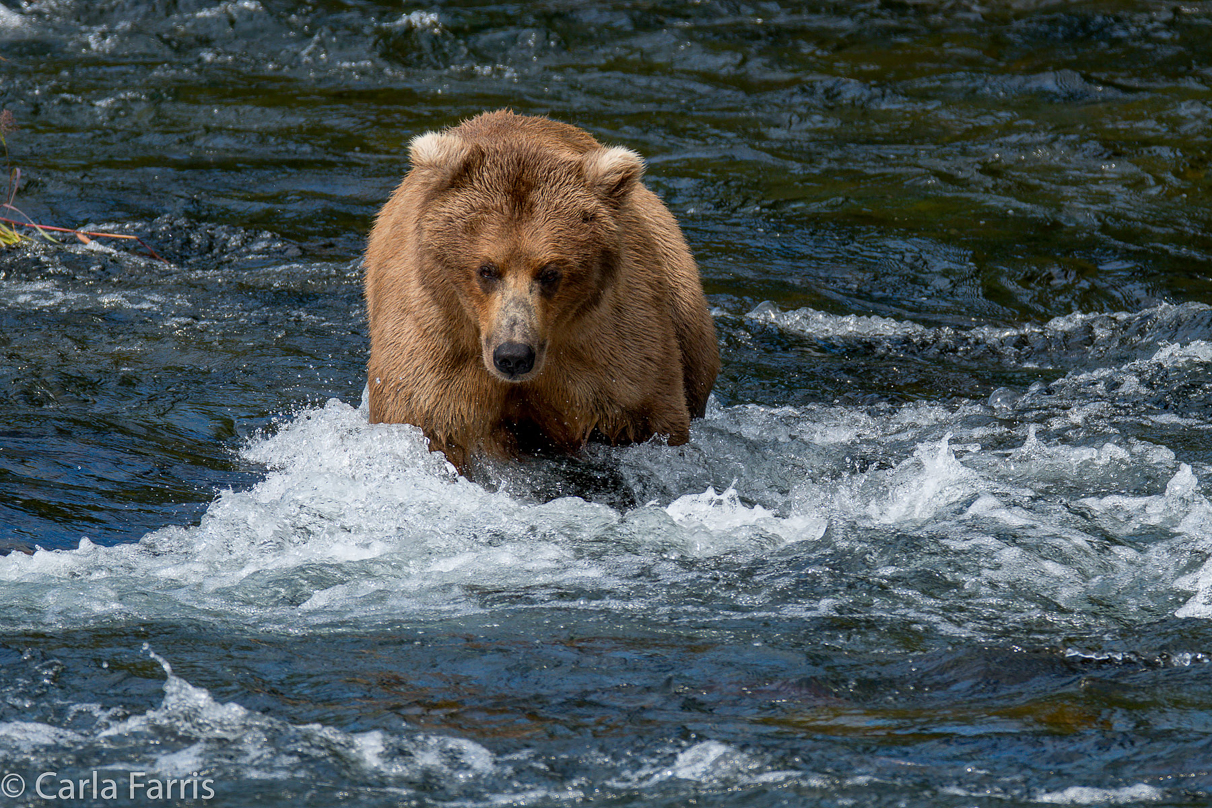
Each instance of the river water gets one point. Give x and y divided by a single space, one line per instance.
943 539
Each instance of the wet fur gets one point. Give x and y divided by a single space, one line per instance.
624 346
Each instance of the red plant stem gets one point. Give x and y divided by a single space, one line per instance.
67 229
88 233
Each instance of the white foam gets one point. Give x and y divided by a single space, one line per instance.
10 19
1087 795
1200 582
212 735
231 9
1177 329
197 736
712 514
820 324
1199 351
186 706
25 737
921 486
419 21
182 763
48 295
708 762
1181 508
457 758
393 526
356 523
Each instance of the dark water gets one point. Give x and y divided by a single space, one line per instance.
959 256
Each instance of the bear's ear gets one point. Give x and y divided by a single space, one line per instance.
613 172
442 156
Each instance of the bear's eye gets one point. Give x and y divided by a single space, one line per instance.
587 217
549 277
489 272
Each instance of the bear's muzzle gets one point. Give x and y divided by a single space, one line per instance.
513 359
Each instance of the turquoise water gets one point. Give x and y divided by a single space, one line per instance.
942 539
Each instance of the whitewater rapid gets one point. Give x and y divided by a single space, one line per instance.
1024 503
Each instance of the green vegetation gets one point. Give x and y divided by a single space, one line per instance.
9 236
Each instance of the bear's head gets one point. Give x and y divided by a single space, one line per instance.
522 237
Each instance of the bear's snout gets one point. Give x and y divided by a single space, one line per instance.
513 359
513 343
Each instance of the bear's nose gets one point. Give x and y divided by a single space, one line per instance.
513 358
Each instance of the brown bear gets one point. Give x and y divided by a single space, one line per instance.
527 291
